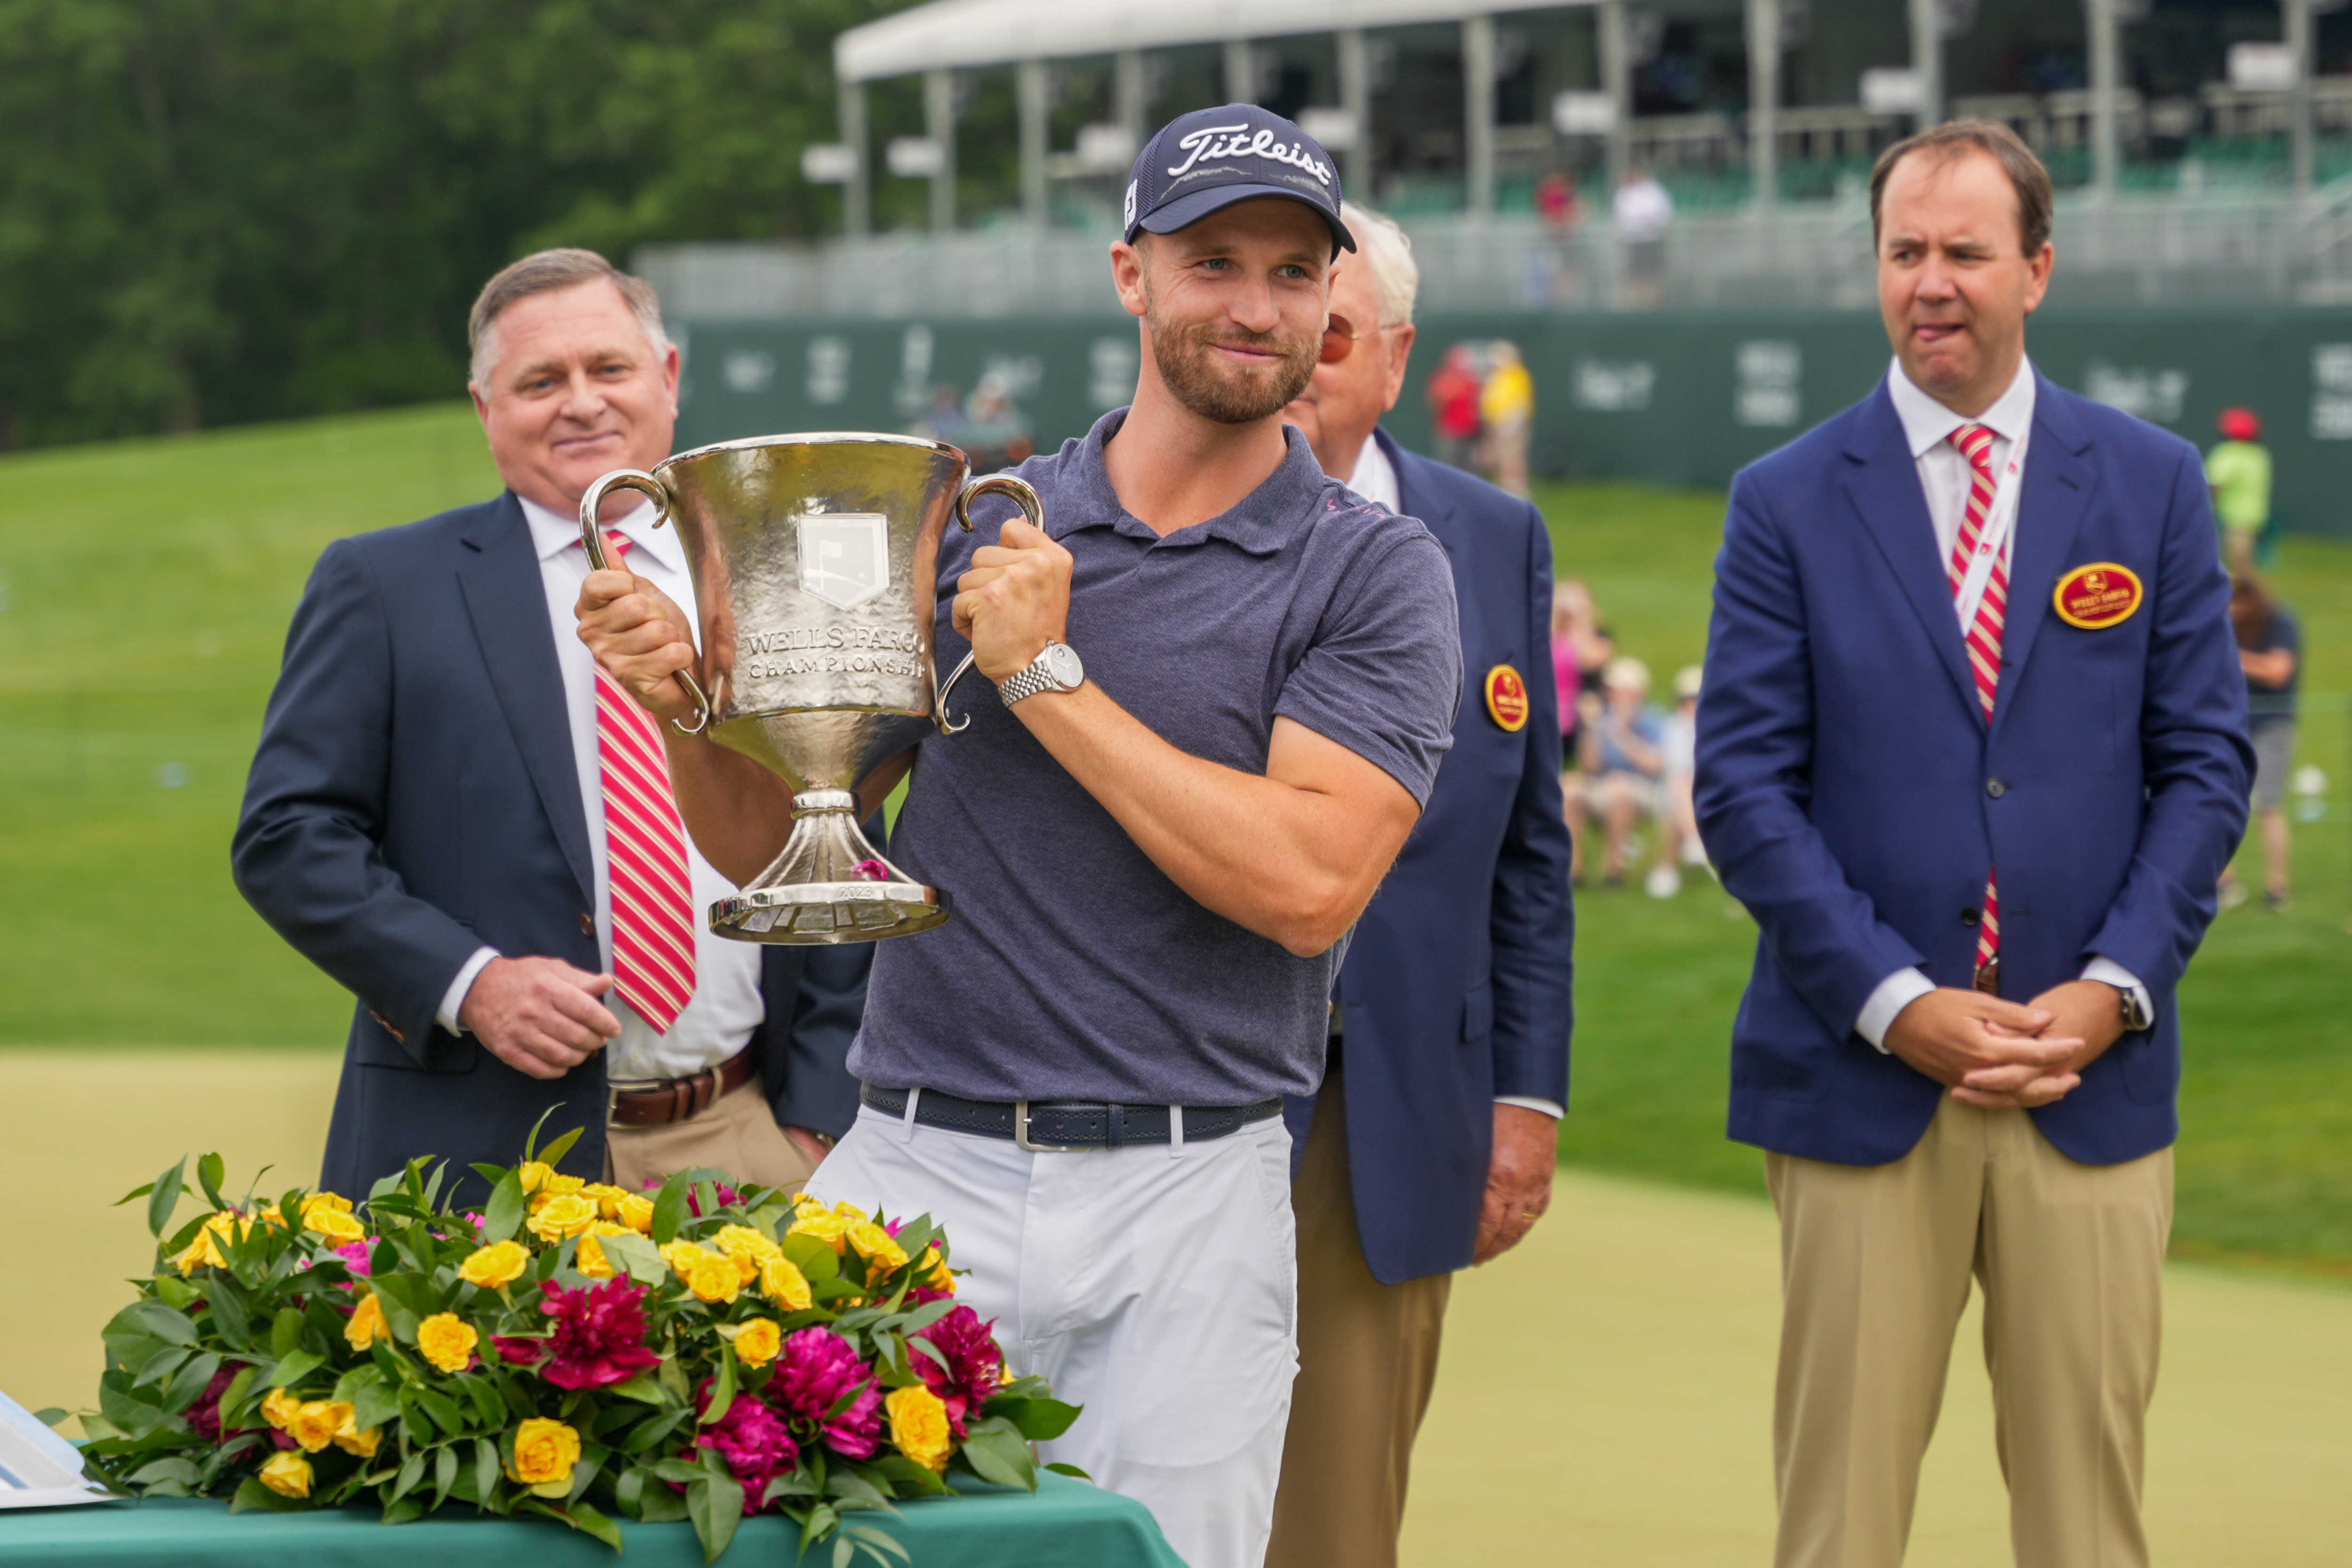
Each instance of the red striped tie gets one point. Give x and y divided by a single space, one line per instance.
653 899
1975 444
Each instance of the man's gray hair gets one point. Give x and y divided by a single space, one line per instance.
1386 251
545 272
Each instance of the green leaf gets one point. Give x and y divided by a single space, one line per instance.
640 1387
1062 1469
682 1472
486 1467
233 1399
293 1367
652 1430
553 1153
846 1483
286 1332
715 1504
670 1209
1001 1457
444 1411
170 1469
1039 1420
504 1214
638 1256
661 1505
580 1517
189 1382
252 1494
411 1473
156 1321
404 1510
158 1367
531 1143
50 1415
722 1392
232 1312
209 1170
164 1197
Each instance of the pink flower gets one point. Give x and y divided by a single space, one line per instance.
203 1415
752 1439
871 871
728 1197
975 1368
516 1350
599 1334
814 1371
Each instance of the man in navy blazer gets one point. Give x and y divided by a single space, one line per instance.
1433 1140
422 818
1973 752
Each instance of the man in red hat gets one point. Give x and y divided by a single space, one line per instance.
2239 470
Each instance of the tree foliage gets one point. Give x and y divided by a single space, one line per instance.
217 210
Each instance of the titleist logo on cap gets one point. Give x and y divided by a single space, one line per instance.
1237 142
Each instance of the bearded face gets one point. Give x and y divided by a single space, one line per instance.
1218 385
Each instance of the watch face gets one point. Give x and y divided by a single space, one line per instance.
1063 663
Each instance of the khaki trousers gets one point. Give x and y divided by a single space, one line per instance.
1876 1263
736 1134
1366 1361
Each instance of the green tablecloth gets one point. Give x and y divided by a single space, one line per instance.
1069 1524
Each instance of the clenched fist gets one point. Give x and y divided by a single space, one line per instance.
641 638
1015 600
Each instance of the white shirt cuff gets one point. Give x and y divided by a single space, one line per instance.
1550 1108
1894 992
454 999
2108 972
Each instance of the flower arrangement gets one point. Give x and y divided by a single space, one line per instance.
572 1351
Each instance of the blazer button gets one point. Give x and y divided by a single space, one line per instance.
1995 788
587 924
1971 917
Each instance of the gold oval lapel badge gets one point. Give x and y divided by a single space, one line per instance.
2097 596
1506 697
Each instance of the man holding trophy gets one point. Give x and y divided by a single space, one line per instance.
1225 685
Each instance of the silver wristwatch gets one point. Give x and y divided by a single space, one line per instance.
1058 668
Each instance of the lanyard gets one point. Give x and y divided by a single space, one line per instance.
1992 544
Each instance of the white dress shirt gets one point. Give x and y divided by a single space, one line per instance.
1375 479
726 1006
1945 477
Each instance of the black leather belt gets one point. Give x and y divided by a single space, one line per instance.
1055 1126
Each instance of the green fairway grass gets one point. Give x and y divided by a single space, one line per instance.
144 591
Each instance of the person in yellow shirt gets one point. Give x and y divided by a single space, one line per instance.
2239 470
1507 404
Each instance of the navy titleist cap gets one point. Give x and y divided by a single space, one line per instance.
1212 158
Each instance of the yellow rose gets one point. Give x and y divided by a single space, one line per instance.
608 1198
500 1263
366 1323
447 1341
748 1247
875 1245
935 1274
637 1211
554 1186
785 1285
335 1201
269 1213
825 1227
317 1422
286 1474
757 1343
352 1439
280 1408
338 1226
918 1426
534 1173
565 1213
590 1257
544 1451
680 1255
715 1277
205 1248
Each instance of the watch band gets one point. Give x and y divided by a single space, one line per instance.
1038 676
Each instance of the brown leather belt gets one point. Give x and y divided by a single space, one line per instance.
677 1098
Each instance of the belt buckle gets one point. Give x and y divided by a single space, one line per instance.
1020 1134
611 1106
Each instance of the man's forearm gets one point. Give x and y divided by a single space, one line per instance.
1289 861
739 813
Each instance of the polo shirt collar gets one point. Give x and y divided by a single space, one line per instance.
1927 423
551 534
1262 524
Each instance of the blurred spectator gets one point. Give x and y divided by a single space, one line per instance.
1624 760
1581 646
1453 405
1643 212
995 434
1557 201
1563 210
945 421
1678 844
1507 408
2270 647
2239 470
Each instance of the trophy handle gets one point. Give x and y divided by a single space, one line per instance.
593 537
1035 510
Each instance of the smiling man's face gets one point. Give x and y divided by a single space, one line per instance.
575 391
1234 305
1955 284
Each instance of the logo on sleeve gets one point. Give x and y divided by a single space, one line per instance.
2097 596
1506 697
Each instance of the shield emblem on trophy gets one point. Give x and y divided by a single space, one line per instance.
845 556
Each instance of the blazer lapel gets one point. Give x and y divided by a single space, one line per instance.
508 601
1883 485
2058 484
1417 501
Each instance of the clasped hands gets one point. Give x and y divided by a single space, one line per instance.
2000 1056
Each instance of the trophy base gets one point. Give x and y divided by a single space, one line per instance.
829 886
826 913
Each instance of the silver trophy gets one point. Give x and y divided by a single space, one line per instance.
814 561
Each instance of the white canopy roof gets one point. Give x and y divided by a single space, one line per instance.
964 33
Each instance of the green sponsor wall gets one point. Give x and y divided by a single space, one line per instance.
1679 399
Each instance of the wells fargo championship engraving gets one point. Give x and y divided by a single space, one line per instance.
2097 596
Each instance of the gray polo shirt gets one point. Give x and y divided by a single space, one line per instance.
1074 969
